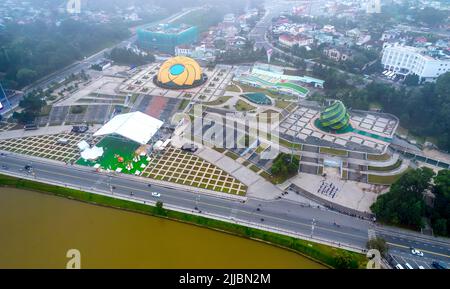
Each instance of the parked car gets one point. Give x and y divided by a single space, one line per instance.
30 126
408 266
190 148
398 266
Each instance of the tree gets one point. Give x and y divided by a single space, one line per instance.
344 260
443 85
282 165
440 213
411 80
404 204
431 16
32 105
160 208
31 51
129 57
25 76
379 244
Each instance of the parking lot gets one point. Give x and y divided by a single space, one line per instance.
47 146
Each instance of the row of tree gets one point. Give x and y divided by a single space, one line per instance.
405 203
126 56
31 51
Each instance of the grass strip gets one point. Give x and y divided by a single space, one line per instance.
327 255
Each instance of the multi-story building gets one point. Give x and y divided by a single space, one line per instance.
289 40
404 60
373 6
165 37
337 54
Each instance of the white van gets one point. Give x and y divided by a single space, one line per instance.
398 266
408 266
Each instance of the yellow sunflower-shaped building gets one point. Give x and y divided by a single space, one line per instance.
180 72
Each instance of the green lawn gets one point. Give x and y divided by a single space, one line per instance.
383 157
114 148
243 106
232 88
332 151
289 144
183 104
282 104
232 155
255 168
386 169
218 101
385 180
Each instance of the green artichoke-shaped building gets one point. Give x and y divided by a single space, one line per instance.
335 117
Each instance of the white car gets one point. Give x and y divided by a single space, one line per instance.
155 194
416 252
421 267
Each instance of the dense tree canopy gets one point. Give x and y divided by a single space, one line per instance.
128 57
31 51
282 165
430 16
404 204
31 106
440 213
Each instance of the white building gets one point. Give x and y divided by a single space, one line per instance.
329 29
289 40
229 18
404 60
373 6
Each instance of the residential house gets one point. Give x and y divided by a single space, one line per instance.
337 53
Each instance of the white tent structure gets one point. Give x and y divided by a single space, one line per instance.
135 126
83 145
91 154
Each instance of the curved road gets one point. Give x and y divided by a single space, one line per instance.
281 214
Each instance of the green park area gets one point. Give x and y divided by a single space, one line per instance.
243 106
119 155
258 98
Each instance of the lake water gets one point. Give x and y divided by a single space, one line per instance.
36 231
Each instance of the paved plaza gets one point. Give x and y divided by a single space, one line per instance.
350 194
47 146
4 126
180 167
142 83
371 132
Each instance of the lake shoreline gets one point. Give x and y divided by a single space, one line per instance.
319 253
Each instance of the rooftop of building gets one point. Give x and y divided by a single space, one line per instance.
168 28
430 52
